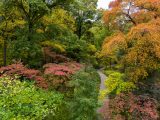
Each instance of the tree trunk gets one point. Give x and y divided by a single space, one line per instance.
79 28
30 30
30 24
5 52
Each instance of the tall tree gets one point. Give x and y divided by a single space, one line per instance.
30 11
140 53
9 19
34 10
85 14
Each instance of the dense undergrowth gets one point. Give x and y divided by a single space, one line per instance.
31 94
49 50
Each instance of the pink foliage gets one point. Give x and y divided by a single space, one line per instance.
59 73
58 69
20 69
125 106
41 82
143 105
73 65
65 69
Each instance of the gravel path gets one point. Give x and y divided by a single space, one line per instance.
103 78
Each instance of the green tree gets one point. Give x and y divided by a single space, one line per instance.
84 12
31 12
85 98
9 20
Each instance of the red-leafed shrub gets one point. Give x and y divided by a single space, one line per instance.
58 70
21 70
130 106
65 69
74 66
58 75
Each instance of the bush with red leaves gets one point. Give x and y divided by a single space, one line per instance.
21 70
58 75
129 107
65 69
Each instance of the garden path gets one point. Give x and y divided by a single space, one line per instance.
103 78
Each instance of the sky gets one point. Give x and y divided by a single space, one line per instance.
103 3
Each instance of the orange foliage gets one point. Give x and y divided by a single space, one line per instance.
148 4
143 16
110 15
113 44
141 44
143 48
134 11
114 4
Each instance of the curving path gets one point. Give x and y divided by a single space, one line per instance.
103 77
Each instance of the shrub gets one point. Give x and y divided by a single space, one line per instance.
130 106
64 69
22 101
21 70
85 97
58 75
115 84
108 72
